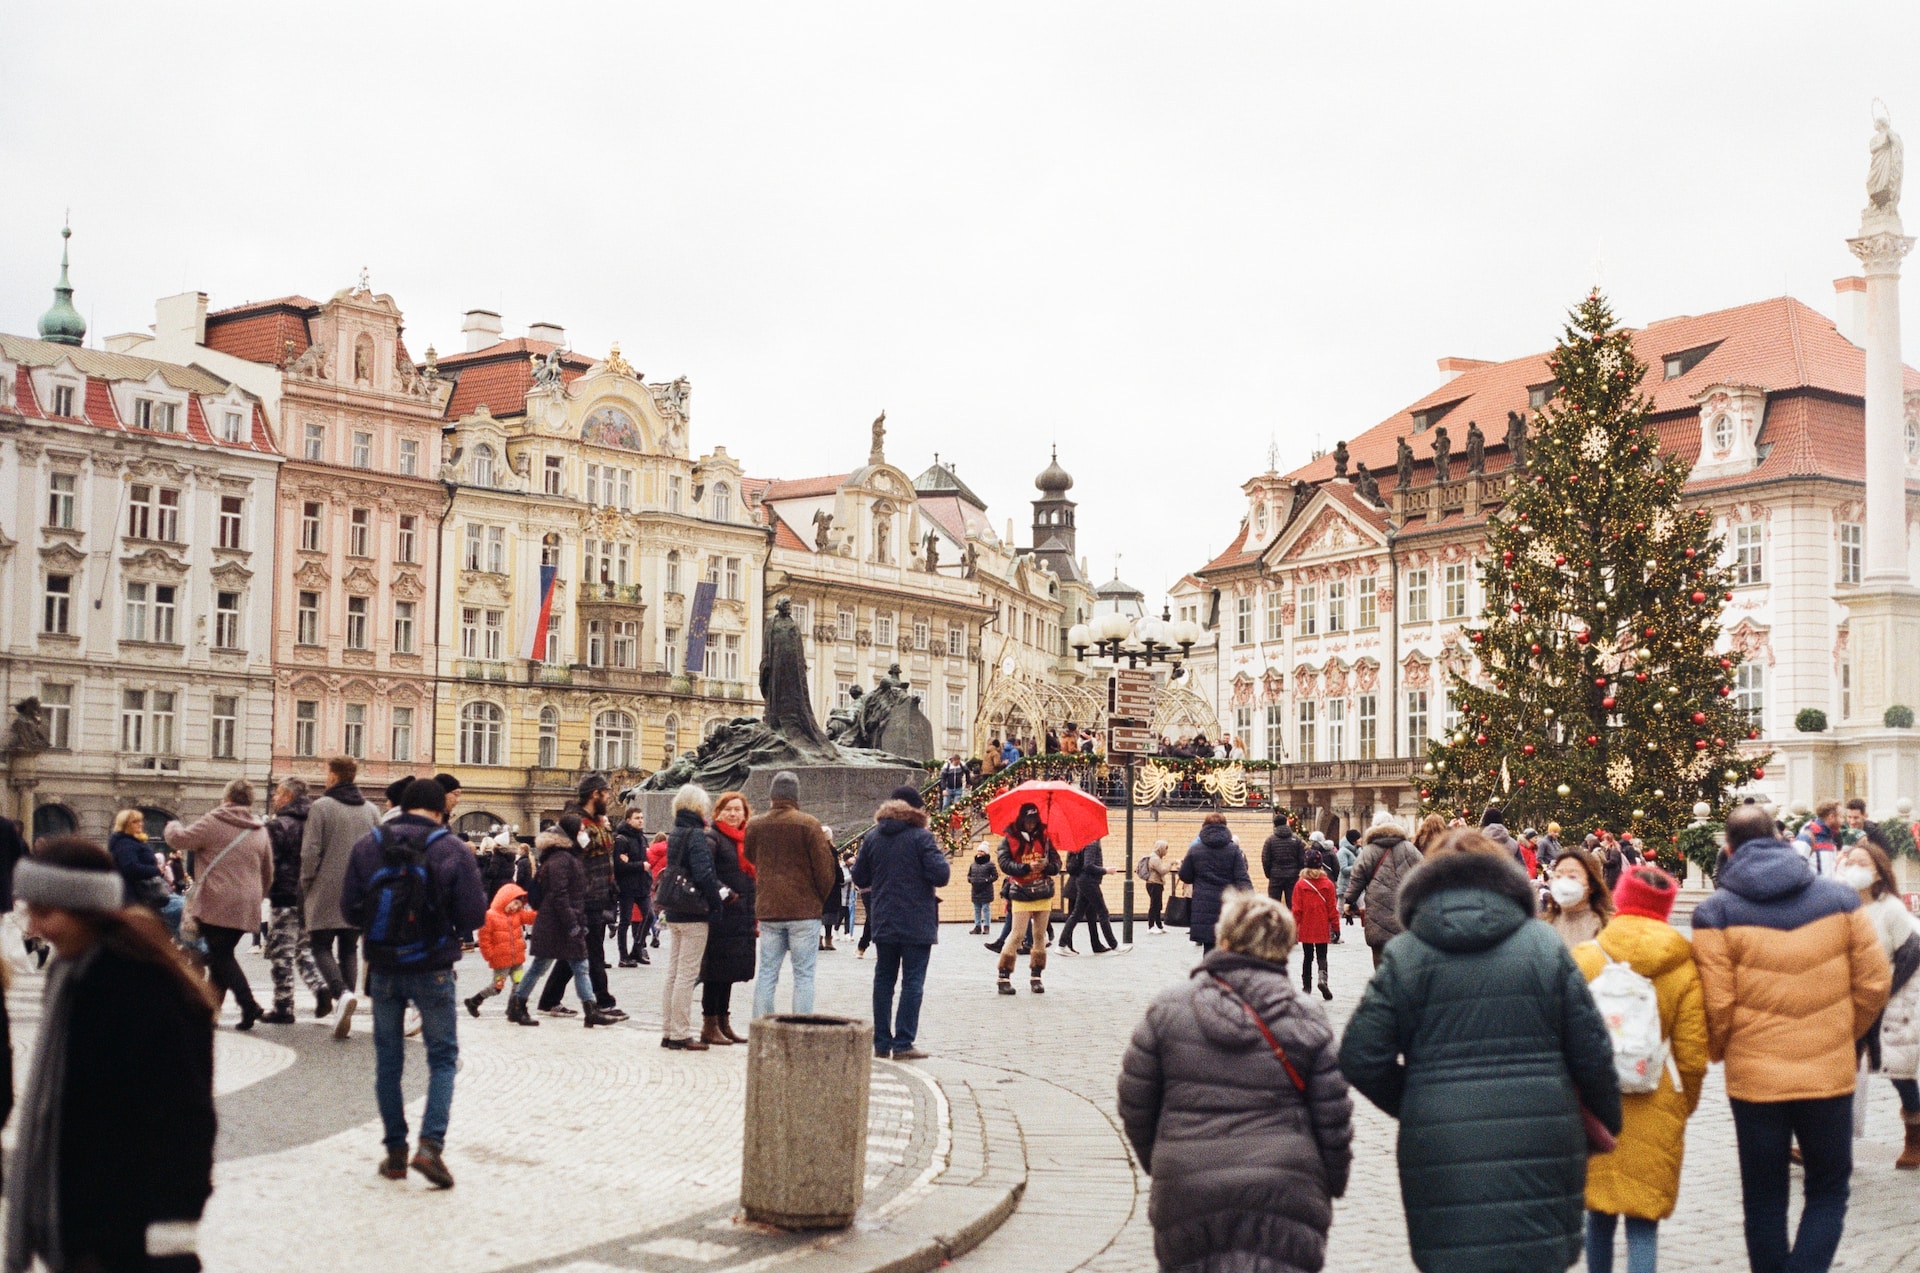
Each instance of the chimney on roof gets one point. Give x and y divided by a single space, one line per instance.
1451 367
1850 308
482 328
552 333
182 317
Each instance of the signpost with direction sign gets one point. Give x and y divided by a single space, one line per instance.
1129 735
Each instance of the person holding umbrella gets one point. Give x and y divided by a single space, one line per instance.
1029 861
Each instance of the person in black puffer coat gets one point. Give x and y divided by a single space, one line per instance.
981 877
634 885
1089 901
1214 863
732 954
560 929
1282 858
1247 1152
689 853
1478 1033
287 945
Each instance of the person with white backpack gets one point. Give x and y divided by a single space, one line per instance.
1647 987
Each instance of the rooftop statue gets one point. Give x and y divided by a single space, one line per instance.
1885 170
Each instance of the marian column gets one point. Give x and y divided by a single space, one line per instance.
1880 246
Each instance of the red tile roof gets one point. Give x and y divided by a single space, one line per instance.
273 332
1779 345
102 368
501 375
803 488
784 536
1237 554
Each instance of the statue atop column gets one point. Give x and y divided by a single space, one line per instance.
878 455
1364 484
1885 169
1340 458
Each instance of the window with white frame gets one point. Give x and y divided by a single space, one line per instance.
496 550
1748 563
494 634
612 740
882 628
956 709
920 634
61 488
474 550
483 465
353 731
1367 726
624 499
360 532
164 613
956 642
232 427
626 643
713 571
723 656
315 445
674 493
1243 724
226 620
550 652
1456 591
306 619
596 643
1750 692
1415 606
226 726
1416 723
673 572
151 413
358 609
232 520
1307 612
549 749
147 722
306 728
593 483
1243 620
57 615
403 627
1306 713
56 712
1276 628
483 729
133 615
409 457
1336 729
1366 604
722 503
551 473
63 401
1723 433
669 739
669 649
1276 732
402 732
842 695
1450 713
406 539
1852 551
1336 605
153 513
310 526
843 625
363 450
733 579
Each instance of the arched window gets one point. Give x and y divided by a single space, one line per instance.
482 731
673 571
549 757
483 465
478 823
722 503
550 549
612 740
54 819
1723 432
714 726
669 740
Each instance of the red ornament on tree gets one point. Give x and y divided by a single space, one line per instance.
1758 772
1533 649
1480 740
1607 703
1699 718
1583 636
1699 744
1593 740
1699 598
1640 677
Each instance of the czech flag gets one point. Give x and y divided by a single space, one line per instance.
533 642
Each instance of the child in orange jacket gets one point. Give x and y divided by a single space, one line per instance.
503 943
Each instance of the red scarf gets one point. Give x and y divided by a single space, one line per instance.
739 837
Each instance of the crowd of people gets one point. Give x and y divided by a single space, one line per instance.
1518 981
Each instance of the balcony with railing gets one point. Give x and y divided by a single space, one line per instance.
620 594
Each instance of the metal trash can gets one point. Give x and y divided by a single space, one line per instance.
803 1163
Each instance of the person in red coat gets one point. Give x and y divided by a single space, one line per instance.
1316 917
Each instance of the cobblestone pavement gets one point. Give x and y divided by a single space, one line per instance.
585 1151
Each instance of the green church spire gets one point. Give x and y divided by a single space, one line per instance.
62 325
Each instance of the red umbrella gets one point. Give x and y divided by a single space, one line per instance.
1073 818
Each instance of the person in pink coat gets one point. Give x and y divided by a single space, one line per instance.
233 868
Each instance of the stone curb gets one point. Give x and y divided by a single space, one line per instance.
984 1180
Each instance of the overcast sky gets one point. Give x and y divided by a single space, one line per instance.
1162 235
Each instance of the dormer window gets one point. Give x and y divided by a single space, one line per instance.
1425 419
1260 518
150 413
230 426
722 503
63 400
1540 395
483 465
1679 364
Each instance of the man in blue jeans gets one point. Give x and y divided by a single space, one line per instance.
1791 973
794 880
899 867
413 888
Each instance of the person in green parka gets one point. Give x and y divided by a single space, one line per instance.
1478 1033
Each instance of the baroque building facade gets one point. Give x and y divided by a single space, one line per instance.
136 582
578 469
1344 598
358 518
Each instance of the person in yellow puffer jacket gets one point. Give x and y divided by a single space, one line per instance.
1640 1179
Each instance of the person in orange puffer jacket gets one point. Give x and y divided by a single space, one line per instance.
503 943
1316 919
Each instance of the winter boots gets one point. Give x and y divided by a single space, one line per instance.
1006 984
1036 985
517 1011
1910 1156
1326 991
394 1165
726 1028
594 1015
710 1034
473 1004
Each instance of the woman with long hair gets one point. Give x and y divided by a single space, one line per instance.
1892 1045
732 953
689 855
114 1160
1428 833
1029 861
1579 903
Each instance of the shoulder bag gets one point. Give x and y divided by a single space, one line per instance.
676 890
189 924
1266 1032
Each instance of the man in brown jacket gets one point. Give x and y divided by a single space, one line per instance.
1793 974
794 878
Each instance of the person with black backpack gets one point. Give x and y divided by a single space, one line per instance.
413 889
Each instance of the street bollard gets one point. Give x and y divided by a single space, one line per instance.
803 1163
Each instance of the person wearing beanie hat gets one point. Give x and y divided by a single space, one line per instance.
1640 1179
396 791
108 1173
797 880
909 795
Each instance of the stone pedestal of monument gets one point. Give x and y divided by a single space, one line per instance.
841 796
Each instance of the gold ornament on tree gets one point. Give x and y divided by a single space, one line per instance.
1620 774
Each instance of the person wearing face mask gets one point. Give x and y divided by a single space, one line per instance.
1892 1045
1579 904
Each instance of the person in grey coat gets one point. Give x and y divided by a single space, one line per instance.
1375 880
335 823
1247 1150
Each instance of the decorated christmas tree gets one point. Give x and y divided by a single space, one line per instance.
1600 698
